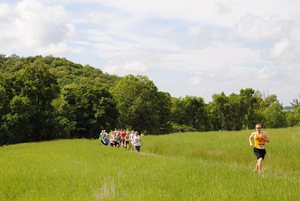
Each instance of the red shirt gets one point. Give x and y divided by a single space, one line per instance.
123 136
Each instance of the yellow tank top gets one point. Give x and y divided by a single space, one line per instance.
260 143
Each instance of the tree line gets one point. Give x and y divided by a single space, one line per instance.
46 98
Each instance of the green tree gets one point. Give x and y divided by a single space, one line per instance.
274 117
237 112
190 112
86 111
248 103
293 117
38 87
3 111
139 104
295 102
63 112
221 106
17 125
234 112
164 113
212 116
178 114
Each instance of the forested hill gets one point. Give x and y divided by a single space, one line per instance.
64 70
45 98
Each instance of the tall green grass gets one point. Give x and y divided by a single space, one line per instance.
185 166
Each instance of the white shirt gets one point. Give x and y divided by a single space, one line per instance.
131 136
136 140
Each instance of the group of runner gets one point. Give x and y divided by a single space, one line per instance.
121 138
132 141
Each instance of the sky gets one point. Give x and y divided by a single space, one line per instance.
191 47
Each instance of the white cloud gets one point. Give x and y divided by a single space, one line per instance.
132 63
284 52
195 81
221 13
30 25
254 29
195 31
223 8
192 47
132 67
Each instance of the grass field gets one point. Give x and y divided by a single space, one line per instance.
182 166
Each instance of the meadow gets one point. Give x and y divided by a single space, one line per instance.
179 166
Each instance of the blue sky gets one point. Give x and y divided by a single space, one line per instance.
191 47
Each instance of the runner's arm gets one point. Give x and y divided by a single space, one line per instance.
250 139
266 138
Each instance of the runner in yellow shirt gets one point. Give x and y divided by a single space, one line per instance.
260 139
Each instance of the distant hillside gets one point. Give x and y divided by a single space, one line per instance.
66 71
288 108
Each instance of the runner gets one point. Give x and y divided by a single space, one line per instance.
119 139
127 138
137 142
123 138
102 136
131 136
116 140
112 139
260 139
106 140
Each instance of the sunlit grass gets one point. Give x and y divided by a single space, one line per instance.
185 166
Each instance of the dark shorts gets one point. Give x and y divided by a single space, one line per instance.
259 153
137 148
